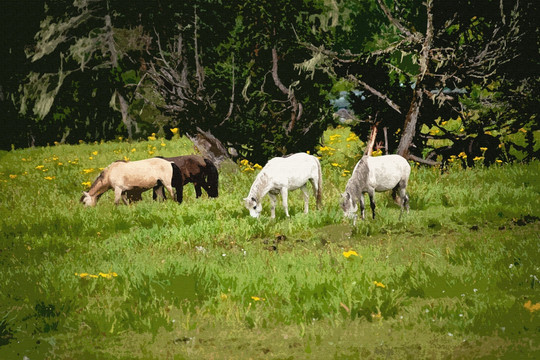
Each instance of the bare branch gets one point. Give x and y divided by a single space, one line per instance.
380 95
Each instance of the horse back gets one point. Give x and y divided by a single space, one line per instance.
292 171
385 172
140 174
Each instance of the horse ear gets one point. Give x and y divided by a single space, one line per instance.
253 199
85 193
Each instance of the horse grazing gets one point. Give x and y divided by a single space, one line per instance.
379 174
197 170
281 175
134 177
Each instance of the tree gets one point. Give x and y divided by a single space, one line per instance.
418 58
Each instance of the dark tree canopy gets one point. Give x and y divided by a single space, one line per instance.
257 76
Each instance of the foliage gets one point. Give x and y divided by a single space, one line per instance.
457 277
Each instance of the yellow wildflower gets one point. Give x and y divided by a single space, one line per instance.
120 138
498 161
81 141
150 153
462 155
86 183
94 153
88 171
336 165
244 162
60 164
352 137
476 158
483 149
532 308
152 138
90 158
223 296
444 123
40 167
126 158
379 284
523 130
256 298
350 253
461 130
133 150
257 166
11 176
163 144
49 177
174 131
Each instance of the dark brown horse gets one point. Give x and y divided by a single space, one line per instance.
197 170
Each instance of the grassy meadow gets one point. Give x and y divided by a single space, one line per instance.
458 277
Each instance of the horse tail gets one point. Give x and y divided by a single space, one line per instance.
319 185
212 178
177 182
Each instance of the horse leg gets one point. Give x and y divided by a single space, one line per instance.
117 195
179 193
306 198
198 191
284 194
372 202
404 200
362 206
273 201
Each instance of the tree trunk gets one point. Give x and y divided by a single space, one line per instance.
209 146
409 128
410 122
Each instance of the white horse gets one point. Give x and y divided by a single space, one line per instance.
381 173
282 174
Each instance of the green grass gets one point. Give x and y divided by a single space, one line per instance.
204 280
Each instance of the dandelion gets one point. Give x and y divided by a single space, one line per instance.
350 253
498 161
11 176
133 150
56 143
60 164
352 137
257 166
150 152
244 162
476 158
336 165
444 123
49 177
174 130
461 130
379 284
462 155
40 167
376 152
345 173
377 316
55 158
163 144
88 171
522 130
126 158
483 149
86 183
108 275
90 158
256 298
487 132
531 307
120 138
152 138
223 296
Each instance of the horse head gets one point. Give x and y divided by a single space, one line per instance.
87 199
348 205
254 206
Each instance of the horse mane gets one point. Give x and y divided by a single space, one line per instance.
258 187
359 178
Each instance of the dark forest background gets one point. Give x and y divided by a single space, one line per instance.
262 77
